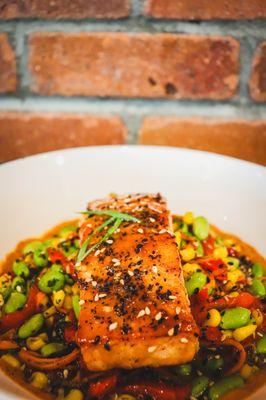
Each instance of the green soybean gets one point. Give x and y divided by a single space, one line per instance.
52 348
40 258
32 246
225 385
18 281
235 318
51 281
200 251
199 385
31 327
261 345
15 301
196 282
184 369
21 269
201 228
257 270
76 306
66 230
257 288
214 364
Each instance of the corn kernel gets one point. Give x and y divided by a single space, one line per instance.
227 334
187 254
49 312
234 276
240 334
11 360
213 318
247 370
258 316
189 269
178 238
75 289
68 302
188 218
220 252
35 343
68 289
74 394
39 380
58 298
233 294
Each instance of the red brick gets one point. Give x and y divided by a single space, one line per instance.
206 9
237 138
143 65
23 134
258 75
8 79
59 9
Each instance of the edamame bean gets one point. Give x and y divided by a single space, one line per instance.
5 285
235 318
201 228
51 281
200 251
76 306
40 258
184 369
257 288
66 230
257 270
31 327
31 247
196 282
199 385
21 269
52 348
19 284
261 345
15 302
225 385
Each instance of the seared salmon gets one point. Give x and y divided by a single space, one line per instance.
134 310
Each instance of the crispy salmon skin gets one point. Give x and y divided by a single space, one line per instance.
134 308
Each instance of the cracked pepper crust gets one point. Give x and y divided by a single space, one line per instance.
134 308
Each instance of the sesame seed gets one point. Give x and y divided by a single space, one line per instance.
96 298
171 332
147 310
65 373
140 230
107 309
115 260
177 310
113 326
18 288
224 282
97 252
152 219
81 302
141 313
151 349
102 295
109 241
103 250
183 340
117 264
130 273
78 264
118 230
94 283
158 316
260 334
217 357
89 225
122 281
154 269
162 231
172 297
199 373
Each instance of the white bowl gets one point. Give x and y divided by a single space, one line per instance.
40 191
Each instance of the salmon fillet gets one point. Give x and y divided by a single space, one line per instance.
134 308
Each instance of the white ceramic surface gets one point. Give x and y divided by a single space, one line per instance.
41 191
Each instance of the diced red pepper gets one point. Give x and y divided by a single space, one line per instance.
103 386
216 267
15 319
208 245
213 334
158 391
202 295
70 333
56 255
244 299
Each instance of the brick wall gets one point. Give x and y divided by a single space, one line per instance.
188 73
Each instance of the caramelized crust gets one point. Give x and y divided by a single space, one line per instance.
134 308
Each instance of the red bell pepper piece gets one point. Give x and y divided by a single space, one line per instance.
70 333
244 299
213 334
216 267
208 245
202 295
56 255
103 386
158 391
15 319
